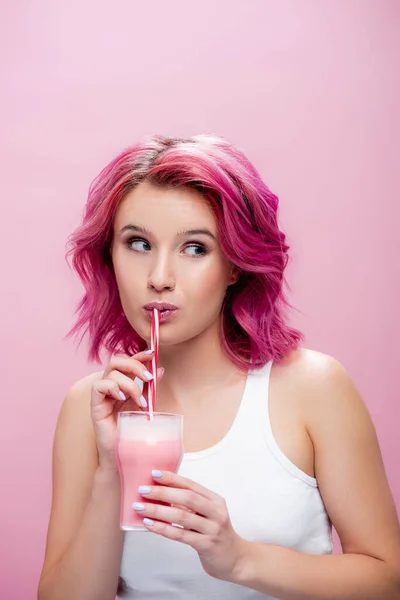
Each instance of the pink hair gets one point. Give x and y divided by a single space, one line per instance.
253 324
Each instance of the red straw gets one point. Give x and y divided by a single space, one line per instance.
154 341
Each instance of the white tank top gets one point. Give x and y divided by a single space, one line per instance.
269 499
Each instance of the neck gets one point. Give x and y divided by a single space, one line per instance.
196 370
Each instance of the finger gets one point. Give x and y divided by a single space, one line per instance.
130 366
101 407
129 388
197 540
102 388
160 375
181 506
183 497
177 481
178 516
144 356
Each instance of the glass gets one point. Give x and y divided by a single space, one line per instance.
145 444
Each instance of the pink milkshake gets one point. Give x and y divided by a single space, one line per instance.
145 444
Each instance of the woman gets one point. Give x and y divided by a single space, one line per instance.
278 443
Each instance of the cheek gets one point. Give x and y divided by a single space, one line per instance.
127 278
208 282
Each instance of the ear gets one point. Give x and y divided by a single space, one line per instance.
234 276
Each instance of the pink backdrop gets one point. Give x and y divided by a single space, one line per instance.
309 89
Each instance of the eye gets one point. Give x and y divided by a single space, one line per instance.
138 245
196 250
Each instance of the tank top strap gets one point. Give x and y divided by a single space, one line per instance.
255 417
255 399
253 408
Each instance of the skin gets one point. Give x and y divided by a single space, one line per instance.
326 404
191 272
313 406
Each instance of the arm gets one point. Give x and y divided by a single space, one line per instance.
356 494
84 542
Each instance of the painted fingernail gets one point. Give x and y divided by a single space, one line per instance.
138 506
156 474
148 522
143 401
122 396
147 375
144 489
149 352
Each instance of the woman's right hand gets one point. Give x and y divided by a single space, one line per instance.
107 400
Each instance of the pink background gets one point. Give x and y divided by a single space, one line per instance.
309 89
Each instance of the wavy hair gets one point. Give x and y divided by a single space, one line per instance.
254 329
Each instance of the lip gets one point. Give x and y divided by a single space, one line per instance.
167 311
160 306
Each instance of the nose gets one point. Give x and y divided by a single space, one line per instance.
160 276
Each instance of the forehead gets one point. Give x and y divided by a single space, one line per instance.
158 207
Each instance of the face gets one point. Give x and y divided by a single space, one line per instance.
166 250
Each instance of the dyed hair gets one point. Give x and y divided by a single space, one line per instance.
254 329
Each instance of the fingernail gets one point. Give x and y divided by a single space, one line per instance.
143 401
122 396
148 522
149 352
162 371
144 489
147 375
138 506
156 474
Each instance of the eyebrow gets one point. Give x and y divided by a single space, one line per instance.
139 229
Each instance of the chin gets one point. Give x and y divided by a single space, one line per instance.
168 337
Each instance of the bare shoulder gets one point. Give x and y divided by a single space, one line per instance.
74 424
77 398
75 409
310 367
347 454
74 431
74 417
294 382
326 396
316 379
81 388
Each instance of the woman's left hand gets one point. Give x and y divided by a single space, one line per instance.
204 520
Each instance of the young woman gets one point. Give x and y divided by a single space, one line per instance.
279 444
